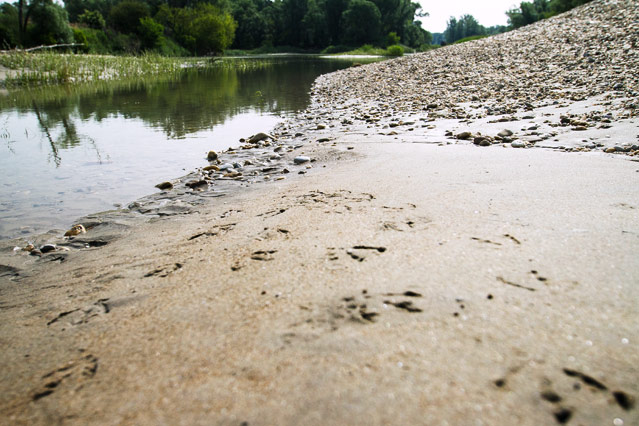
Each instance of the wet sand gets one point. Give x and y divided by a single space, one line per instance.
407 278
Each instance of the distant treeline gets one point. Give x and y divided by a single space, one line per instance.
182 27
530 12
527 13
205 27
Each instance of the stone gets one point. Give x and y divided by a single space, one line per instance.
163 186
259 137
301 159
226 166
211 168
610 150
197 183
211 156
75 230
48 248
518 144
321 126
505 133
464 135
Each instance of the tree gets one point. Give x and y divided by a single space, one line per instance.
9 32
251 25
92 19
212 30
125 16
150 32
466 26
314 28
361 23
334 10
75 8
415 36
43 22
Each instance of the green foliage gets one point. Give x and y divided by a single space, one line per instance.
48 25
125 16
49 68
9 31
392 38
529 12
211 30
211 26
415 36
75 8
395 50
335 49
466 26
80 38
471 38
150 32
92 19
251 24
361 22
314 28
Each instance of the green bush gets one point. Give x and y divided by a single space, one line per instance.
168 47
335 49
395 50
392 39
150 32
80 38
92 19
125 16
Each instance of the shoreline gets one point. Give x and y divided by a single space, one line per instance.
430 268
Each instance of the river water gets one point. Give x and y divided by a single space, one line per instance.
68 152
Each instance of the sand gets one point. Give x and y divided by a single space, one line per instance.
400 280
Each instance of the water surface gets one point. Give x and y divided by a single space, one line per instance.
68 152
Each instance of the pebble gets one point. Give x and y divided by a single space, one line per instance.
75 230
259 137
226 166
464 135
48 248
301 159
517 144
211 156
163 186
505 133
196 183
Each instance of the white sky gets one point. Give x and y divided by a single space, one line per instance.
487 12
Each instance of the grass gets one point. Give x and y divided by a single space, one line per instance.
34 69
471 38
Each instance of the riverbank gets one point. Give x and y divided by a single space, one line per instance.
410 275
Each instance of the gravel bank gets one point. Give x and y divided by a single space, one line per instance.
566 82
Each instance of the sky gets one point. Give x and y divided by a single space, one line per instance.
487 12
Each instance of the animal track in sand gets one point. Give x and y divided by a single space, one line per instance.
164 271
81 315
560 402
217 230
73 374
360 252
364 308
509 237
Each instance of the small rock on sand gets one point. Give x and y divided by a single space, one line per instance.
301 159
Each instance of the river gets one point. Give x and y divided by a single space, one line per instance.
69 151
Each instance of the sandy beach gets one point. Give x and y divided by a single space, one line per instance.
408 273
